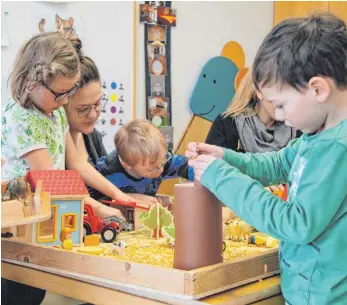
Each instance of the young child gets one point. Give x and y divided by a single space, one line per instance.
141 161
301 67
35 131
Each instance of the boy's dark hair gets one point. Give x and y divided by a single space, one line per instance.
298 49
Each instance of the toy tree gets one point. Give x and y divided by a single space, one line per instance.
157 218
169 232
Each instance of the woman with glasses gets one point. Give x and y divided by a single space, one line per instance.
82 112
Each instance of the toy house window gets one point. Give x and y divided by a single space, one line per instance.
69 220
47 230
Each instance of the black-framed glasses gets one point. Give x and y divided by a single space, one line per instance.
59 96
84 112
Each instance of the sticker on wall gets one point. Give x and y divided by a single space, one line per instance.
113 109
103 85
104 101
60 22
121 122
103 121
103 133
121 87
121 111
113 97
114 85
113 121
121 99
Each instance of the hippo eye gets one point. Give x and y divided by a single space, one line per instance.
204 75
214 81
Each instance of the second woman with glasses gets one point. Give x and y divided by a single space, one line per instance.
82 112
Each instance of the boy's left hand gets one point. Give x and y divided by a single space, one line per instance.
200 164
144 199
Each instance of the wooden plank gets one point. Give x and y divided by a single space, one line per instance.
91 290
169 280
213 279
69 287
339 9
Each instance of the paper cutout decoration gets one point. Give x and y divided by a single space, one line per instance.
239 77
113 97
215 86
235 53
113 109
113 85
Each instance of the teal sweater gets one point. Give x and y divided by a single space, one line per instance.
312 224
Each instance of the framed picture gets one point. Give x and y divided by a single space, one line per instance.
156 58
157 32
158 111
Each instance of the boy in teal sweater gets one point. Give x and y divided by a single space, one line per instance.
301 67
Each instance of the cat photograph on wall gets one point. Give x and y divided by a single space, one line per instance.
65 26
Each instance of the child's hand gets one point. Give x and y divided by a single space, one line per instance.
120 196
106 211
200 164
195 149
144 199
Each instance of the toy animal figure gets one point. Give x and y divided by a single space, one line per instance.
239 230
119 248
245 230
17 189
234 230
66 242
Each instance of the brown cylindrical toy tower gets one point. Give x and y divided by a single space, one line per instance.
198 227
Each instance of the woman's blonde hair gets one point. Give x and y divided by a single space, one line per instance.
245 101
40 60
138 141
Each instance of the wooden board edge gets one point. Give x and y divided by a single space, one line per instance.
220 277
155 277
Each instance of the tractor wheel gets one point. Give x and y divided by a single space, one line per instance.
108 234
87 230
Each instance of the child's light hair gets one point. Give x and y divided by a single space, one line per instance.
245 99
39 61
139 141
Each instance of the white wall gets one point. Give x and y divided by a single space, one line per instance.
202 30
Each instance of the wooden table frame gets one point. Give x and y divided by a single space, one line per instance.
89 287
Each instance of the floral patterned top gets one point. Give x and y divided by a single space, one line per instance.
24 130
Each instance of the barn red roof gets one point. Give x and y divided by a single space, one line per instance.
58 182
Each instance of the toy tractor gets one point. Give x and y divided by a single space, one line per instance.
108 227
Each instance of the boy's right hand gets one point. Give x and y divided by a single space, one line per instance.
195 149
